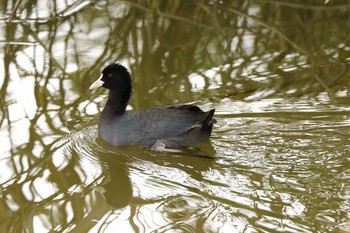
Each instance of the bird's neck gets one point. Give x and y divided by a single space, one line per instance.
117 101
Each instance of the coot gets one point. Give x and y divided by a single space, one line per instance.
160 128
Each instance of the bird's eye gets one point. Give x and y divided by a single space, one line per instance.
109 75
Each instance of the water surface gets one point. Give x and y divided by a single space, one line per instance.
276 72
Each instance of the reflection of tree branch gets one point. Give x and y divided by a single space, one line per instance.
61 15
308 6
15 8
48 50
270 27
170 16
323 84
75 7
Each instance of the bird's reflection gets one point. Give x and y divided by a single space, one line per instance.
193 161
116 188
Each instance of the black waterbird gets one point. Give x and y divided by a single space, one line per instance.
160 128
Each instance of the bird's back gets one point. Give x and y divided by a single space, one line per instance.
183 125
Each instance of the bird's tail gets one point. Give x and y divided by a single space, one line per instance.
209 120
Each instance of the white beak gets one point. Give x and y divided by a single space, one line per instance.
97 83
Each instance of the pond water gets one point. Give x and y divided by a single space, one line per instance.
276 72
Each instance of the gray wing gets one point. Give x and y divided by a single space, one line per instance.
154 124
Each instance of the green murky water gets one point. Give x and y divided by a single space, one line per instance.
276 72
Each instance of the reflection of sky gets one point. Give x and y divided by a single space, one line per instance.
21 104
198 82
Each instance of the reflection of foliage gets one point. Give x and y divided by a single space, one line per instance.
181 39
254 48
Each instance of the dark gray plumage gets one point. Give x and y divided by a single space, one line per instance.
159 128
